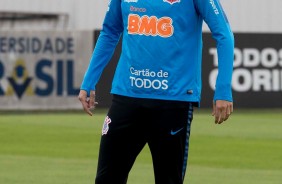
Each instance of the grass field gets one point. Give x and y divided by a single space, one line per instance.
61 148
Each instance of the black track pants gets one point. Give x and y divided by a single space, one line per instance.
130 124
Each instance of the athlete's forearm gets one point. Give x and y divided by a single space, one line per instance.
225 50
213 14
106 44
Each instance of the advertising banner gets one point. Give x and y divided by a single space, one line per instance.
42 70
257 75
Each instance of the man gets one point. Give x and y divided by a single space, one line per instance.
157 82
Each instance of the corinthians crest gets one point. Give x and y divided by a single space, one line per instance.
172 1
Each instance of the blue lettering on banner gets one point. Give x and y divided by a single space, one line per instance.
36 45
44 77
48 46
19 81
60 75
71 89
1 75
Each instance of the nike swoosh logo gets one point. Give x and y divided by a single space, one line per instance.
175 132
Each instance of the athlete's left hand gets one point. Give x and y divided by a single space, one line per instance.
222 110
88 103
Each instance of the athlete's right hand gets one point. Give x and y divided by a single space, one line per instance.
88 103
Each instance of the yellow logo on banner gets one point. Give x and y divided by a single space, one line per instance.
19 81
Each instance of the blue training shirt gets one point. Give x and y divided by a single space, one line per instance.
161 54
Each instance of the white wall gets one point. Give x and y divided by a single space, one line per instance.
254 15
83 14
244 15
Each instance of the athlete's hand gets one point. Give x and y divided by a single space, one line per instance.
88 103
222 110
